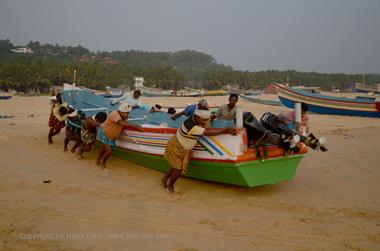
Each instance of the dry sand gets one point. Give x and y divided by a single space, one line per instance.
331 204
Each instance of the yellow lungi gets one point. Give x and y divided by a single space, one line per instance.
176 155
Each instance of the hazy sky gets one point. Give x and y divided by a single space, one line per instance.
305 35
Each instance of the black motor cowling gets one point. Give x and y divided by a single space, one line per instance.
267 131
271 129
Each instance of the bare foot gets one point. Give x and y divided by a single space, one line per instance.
50 142
73 150
65 149
170 189
103 166
164 182
98 163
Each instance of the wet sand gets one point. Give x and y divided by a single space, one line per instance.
331 204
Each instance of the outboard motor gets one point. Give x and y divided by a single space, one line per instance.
259 135
273 123
271 129
276 125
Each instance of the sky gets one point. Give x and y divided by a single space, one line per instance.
341 36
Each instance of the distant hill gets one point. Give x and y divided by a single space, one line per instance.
54 64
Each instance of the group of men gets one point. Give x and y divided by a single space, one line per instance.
106 129
84 131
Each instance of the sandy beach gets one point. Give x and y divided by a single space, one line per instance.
331 204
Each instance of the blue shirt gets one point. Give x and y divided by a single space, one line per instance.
189 111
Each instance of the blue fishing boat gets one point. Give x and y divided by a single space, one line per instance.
365 107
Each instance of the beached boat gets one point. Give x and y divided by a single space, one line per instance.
215 93
251 92
6 95
255 99
329 104
223 158
149 91
312 89
188 92
359 87
155 92
112 92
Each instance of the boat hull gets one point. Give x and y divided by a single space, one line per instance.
5 97
223 158
246 174
261 101
152 94
366 88
332 111
328 104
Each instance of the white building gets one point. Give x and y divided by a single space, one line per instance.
22 50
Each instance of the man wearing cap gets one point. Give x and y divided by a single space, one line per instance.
156 108
189 111
111 130
179 147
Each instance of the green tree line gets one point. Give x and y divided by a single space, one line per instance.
54 64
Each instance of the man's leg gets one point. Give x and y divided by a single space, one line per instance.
106 155
164 179
173 178
77 144
100 154
66 142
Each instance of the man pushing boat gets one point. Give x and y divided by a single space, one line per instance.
111 130
179 148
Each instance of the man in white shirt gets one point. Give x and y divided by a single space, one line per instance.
227 111
134 101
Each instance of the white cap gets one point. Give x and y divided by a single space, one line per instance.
125 107
204 114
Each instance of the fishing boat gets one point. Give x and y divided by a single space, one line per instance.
255 99
215 93
224 158
366 107
359 87
149 91
112 92
6 95
154 92
251 92
188 92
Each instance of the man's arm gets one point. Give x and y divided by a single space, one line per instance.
118 99
176 115
130 125
92 122
216 114
214 131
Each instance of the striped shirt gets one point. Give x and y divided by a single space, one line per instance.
188 133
